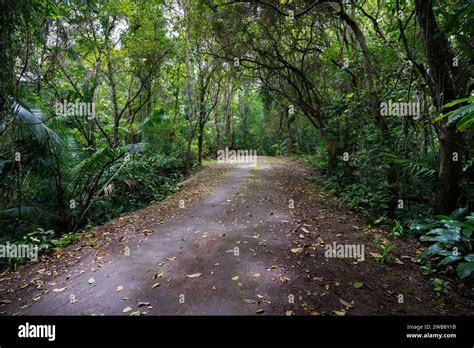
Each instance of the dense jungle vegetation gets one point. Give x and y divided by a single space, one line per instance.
106 105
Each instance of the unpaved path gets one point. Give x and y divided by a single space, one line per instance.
228 251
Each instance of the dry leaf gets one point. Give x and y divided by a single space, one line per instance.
397 260
160 274
345 303
297 250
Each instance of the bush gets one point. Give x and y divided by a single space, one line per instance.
451 238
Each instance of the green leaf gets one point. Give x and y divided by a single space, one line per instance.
449 259
465 269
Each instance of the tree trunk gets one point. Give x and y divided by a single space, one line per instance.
228 118
189 94
439 59
200 141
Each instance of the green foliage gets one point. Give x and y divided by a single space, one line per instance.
440 285
463 115
385 253
40 238
451 242
398 229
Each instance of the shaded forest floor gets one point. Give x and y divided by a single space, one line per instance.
235 248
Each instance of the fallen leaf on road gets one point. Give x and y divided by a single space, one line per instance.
91 281
289 313
141 304
155 285
297 250
397 260
256 275
135 313
345 303
127 309
358 285
194 275
249 301
260 311
339 313
119 288
235 278
314 313
59 289
161 274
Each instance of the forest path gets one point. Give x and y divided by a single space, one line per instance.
236 247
